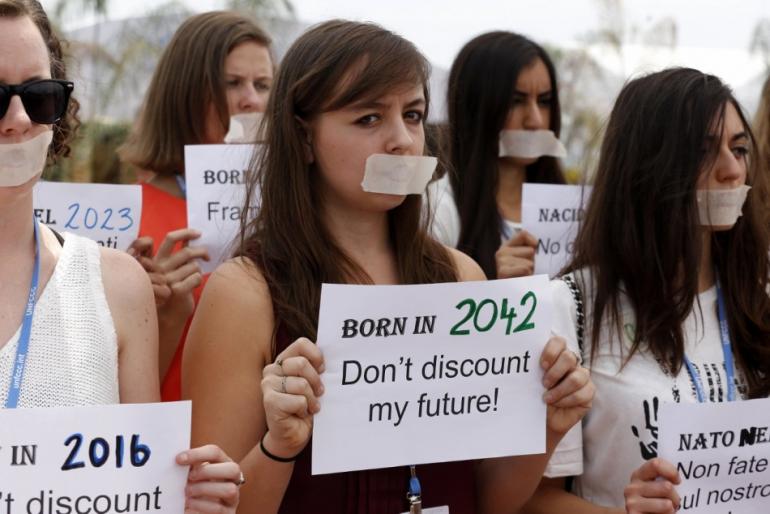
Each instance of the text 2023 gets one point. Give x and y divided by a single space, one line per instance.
91 218
99 452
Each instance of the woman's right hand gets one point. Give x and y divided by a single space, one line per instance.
290 390
516 257
651 489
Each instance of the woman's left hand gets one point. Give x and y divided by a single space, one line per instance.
569 388
213 482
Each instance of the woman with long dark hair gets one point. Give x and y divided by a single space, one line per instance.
499 82
664 243
345 91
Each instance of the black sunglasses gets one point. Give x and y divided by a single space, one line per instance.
44 100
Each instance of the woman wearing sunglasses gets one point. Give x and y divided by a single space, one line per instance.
77 321
217 65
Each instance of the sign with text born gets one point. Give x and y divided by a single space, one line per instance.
216 184
97 459
552 213
107 213
722 454
430 373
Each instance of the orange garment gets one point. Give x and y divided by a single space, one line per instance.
162 213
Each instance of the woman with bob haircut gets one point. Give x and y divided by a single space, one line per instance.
217 65
500 81
345 91
77 321
662 245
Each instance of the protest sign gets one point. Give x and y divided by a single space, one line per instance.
722 453
97 459
552 213
107 213
430 373
215 177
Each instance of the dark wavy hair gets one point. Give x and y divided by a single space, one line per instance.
482 83
330 66
64 129
641 234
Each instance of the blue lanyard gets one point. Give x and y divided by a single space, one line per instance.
26 328
182 184
724 333
414 493
507 231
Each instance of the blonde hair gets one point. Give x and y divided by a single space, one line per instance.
189 77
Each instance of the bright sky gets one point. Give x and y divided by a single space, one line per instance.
713 35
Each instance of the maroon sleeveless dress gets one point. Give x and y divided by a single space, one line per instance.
376 491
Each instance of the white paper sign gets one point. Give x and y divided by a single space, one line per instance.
215 176
430 373
107 213
110 458
552 212
722 454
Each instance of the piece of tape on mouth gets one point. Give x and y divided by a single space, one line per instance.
20 162
398 174
244 128
530 144
721 207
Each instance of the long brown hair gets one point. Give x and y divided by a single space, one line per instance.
641 237
288 240
64 129
482 83
189 77
762 126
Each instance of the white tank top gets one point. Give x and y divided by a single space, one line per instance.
73 349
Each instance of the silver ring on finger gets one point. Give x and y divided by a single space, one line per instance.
241 480
283 385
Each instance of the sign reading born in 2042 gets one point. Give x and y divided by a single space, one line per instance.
432 373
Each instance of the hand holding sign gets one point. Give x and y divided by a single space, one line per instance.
290 390
516 258
652 488
213 481
570 390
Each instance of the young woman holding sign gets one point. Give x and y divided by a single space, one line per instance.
77 321
217 66
504 121
345 91
653 278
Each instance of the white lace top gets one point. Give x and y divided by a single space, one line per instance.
73 350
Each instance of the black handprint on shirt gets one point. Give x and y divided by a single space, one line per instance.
649 450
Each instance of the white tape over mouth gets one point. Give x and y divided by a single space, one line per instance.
398 174
530 144
721 207
245 128
20 162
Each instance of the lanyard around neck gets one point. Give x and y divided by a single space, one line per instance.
180 181
22 348
414 493
724 333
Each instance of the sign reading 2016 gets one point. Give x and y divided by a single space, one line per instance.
100 450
